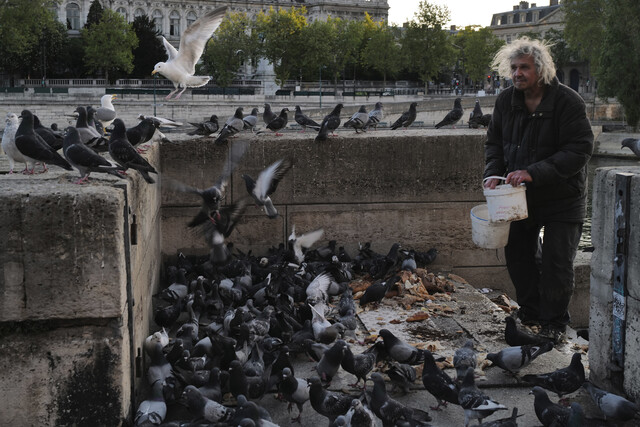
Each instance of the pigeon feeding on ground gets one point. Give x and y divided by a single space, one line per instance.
376 292
407 118
268 114
549 413
9 142
279 122
84 158
375 116
181 64
251 120
205 128
232 126
359 415
633 144
266 185
125 155
402 376
153 410
33 148
294 390
106 113
513 359
330 123
330 362
305 121
474 402
361 364
399 350
438 383
358 120
515 337
504 422
452 116
561 381
328 403
464 358
613 407
389 410
204 408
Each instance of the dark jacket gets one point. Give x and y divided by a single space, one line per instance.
554 144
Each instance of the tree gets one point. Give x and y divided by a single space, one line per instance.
425 42
22 23
382 51
150 50
584 28
477 49
281 35
232 44
94 14
109 44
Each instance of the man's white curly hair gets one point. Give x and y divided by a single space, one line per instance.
539 50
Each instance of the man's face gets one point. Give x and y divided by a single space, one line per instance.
523 73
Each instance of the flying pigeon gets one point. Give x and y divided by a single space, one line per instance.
464 358
305 121
301 243
515 337
438 383
220 226
389 410
266 185
330 123
268 114
375 116
84 158
358 120
233 125
399 350
205 128
452 116
614 407
251 120
105 114
633 144
9 142
279 122
407 118
549 413
513 359
33 148
125 155
474 402
561 381
181 65
55 140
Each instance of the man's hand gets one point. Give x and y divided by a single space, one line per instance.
516 178
491 183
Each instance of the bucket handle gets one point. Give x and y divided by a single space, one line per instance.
498 177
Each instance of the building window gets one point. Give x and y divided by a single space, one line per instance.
174 24
157 19
191 18
122 11
510 19
138 12
508 38
73 16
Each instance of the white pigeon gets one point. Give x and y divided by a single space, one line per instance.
106 114
305 241
181 65
9 141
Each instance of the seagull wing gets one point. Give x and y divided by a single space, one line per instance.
194 39
172 53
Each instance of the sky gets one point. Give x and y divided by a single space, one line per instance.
463 12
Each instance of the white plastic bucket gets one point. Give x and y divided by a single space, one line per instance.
487 234
505 202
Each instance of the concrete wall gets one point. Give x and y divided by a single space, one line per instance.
602 281
68 278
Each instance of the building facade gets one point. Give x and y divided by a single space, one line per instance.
531 18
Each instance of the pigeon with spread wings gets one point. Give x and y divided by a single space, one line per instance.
181 65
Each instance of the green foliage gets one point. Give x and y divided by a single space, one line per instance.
233 43
477 46
382 51
109 44
282 42
150 50
584 27
95 13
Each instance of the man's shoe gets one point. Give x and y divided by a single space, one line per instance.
526 320
554 334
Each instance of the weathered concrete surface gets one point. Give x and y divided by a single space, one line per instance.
602 280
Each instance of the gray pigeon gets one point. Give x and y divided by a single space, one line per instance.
361 364
438 383
206 409
266 185
614 407
514 336
513 359
330 362
233 125
153 410
328 403
399 350
279 122
375 116
294 390
88 134
504 422
359 120
633 144
251 120
402 376
359 415
9 142
474 402
561 381
206 128
464 358
84 158
33 148
549 413
389 410
330 123
452 116
305 121
267 114
407 118
476 116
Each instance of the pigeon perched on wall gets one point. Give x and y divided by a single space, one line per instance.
268 114
513 359
9 142
613 407
305 121
452 116
476 116
91 112
33 148
561 381
633 144
515 336
251 119
475 403
279 122
549 413
407 118
106 113
330 123
205 128
181 64
142 133
125 155
88 134
464 358
358 120
85 159
266 185
438 383
375 116
232 126
55 140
